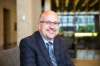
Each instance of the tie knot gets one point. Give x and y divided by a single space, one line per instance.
50 42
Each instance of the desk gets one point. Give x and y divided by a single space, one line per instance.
87 62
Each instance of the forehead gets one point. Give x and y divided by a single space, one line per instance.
49 16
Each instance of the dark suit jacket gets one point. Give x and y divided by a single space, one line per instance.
34 53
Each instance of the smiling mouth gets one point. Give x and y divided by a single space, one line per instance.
51 31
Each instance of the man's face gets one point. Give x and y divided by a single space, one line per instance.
49 26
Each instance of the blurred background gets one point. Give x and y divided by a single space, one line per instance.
80 25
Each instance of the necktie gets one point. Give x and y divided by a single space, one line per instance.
51 53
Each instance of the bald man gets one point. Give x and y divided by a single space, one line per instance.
45 47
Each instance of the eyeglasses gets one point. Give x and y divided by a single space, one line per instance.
49 22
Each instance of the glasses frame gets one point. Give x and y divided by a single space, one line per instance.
49 22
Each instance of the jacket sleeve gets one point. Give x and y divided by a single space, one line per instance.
27 54
69 60
67 56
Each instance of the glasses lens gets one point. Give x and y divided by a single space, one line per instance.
49 22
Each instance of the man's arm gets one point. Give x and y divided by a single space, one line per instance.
27 54
69 60
66 44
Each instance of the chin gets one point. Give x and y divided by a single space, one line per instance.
51 37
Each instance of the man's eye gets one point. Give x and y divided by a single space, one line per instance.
55 23
48 22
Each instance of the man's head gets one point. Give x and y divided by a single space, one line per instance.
49 24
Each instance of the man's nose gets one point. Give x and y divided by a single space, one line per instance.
51 26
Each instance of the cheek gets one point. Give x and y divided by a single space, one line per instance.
44 29
57 28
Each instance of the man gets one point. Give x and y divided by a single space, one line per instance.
44 47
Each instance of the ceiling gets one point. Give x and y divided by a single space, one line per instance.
75 5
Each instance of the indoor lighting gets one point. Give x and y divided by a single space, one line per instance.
86 34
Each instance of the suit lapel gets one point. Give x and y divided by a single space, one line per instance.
42 47
56 48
